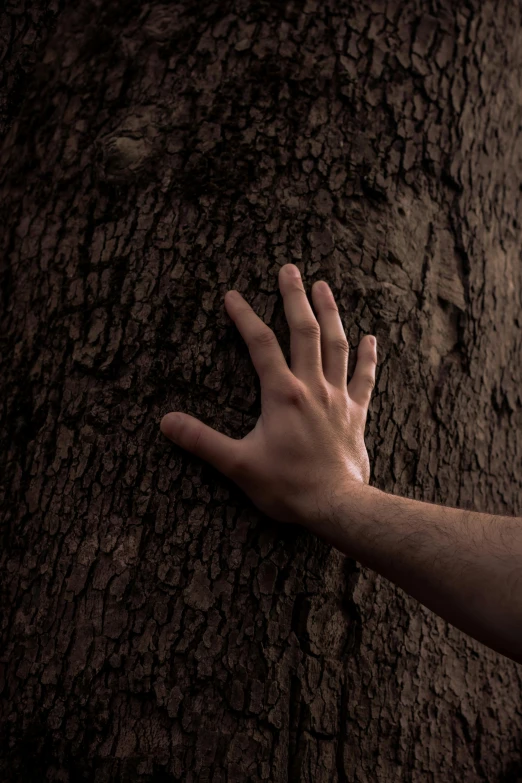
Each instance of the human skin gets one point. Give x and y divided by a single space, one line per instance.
463 565
305 462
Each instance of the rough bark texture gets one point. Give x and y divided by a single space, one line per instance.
154 626
24 28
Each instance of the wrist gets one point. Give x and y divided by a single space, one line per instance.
343 519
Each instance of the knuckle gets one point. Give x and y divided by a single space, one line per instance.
369 382
340 344
308 329
331 304
294 393
263 337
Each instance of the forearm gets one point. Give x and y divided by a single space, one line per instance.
465 566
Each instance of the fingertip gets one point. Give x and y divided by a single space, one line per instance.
169 423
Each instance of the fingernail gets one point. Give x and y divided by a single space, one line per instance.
292 270
373 341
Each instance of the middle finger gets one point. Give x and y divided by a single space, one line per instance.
305 333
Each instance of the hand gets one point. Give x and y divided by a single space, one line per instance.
309 440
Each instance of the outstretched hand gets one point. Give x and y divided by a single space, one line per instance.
308 443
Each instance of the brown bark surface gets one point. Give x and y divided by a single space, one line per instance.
154 626
24 28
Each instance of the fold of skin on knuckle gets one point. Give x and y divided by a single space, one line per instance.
264 337
308 329
340 344
295 393
331 305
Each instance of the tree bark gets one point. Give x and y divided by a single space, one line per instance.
155 627
24 28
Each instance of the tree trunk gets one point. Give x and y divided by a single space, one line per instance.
24 28
155 626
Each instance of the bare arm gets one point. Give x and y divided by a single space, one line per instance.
463 565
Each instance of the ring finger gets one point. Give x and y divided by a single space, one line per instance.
334 345
305 334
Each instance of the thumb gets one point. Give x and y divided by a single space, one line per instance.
203 441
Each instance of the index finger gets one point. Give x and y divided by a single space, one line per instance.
265 351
